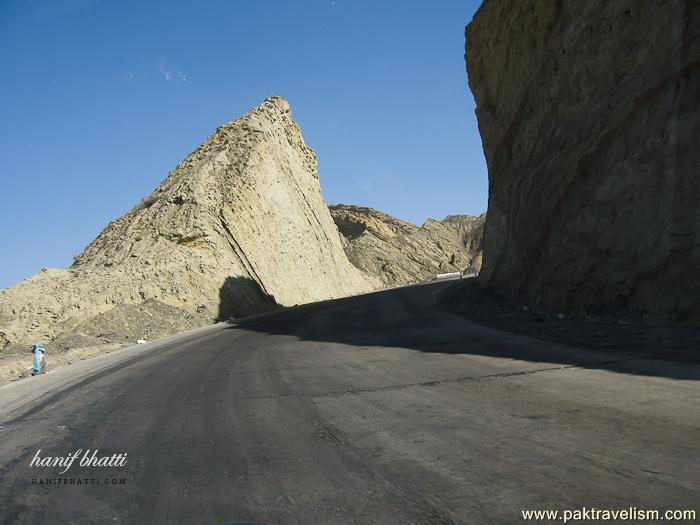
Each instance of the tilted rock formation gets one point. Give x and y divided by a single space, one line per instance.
238 227
401 253
589 117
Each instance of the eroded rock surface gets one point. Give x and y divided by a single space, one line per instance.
589 117
238 227
401 253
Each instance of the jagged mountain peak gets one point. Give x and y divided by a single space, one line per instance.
398 252
237 227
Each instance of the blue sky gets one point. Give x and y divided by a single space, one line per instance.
100 100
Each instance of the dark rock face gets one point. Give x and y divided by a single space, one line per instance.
589 117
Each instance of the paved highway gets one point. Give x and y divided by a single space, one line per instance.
376 409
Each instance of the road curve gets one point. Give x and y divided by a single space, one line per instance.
378 409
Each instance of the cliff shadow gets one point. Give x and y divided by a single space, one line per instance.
409 317
242 296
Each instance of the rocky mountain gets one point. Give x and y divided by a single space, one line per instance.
238 227
401 253
590 120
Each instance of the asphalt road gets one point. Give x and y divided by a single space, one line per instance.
371 409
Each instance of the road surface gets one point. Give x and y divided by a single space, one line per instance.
376 409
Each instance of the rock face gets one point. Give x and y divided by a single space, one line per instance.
589 117
400 253
238 227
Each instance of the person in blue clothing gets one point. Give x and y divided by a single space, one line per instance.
39 359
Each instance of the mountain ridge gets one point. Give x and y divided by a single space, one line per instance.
399 253
238 227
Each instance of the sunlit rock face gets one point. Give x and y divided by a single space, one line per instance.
398 253
589 117
238 227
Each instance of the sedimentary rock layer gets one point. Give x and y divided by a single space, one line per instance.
589 117
398 252
238 227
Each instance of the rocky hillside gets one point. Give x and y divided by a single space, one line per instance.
589 117
238 227
401 253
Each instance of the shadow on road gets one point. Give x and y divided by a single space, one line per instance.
409 318
241 296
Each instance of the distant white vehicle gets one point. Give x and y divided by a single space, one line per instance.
449 275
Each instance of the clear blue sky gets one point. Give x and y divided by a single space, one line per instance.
100 100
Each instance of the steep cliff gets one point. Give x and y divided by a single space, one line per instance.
589 117
238 227
399 253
